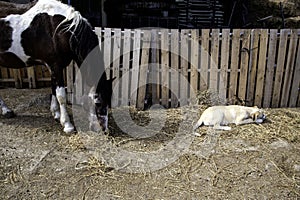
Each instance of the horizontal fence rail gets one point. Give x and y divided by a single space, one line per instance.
170 66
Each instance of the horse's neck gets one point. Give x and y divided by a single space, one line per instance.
14 8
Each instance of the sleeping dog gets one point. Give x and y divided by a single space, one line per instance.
220 116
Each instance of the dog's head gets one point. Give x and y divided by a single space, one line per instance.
257 114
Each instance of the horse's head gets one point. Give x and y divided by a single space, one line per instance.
103 102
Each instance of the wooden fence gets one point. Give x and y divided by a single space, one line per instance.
32 77
260 66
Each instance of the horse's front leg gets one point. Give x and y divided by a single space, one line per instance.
6 111
89 104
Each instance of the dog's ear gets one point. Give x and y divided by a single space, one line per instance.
254 115
255 107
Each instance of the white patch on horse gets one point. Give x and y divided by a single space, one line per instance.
64 117
54 108
4 107
19 23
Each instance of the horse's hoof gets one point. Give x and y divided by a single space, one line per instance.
9 114
69 128
95 127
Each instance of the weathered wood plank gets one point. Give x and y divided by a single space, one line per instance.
224 63
31 77
174 67
242 87
143 69
289 67
4 73
214 61
195 52
184 60
18 78
280 67
78 85
234 64
107 51
135 66
116 65
125 69
270 68
154 68
252 65
98 31
165 67
70 82
204 59
295 89
261 67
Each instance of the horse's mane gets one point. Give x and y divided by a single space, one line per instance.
83 39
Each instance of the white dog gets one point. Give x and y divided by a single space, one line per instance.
220 116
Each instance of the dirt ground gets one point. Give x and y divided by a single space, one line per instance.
39 161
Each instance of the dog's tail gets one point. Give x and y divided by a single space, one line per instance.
198 124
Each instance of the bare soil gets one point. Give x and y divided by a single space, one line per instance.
39 161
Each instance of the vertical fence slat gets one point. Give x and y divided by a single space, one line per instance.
174 67
107 50
295 90
144 69
269 82
18 78
234 63
224 63
214 61
184 61
252 65
135 66
154 68
204 59
242 87
261 67
280 67
289 69
165 67
4 73
98 31
194 60
125 69
31 77
70 81
78 90
116 65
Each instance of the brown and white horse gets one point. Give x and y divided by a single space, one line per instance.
53 34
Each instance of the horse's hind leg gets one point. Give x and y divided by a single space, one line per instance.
64 118
54 107
6 112
59 95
